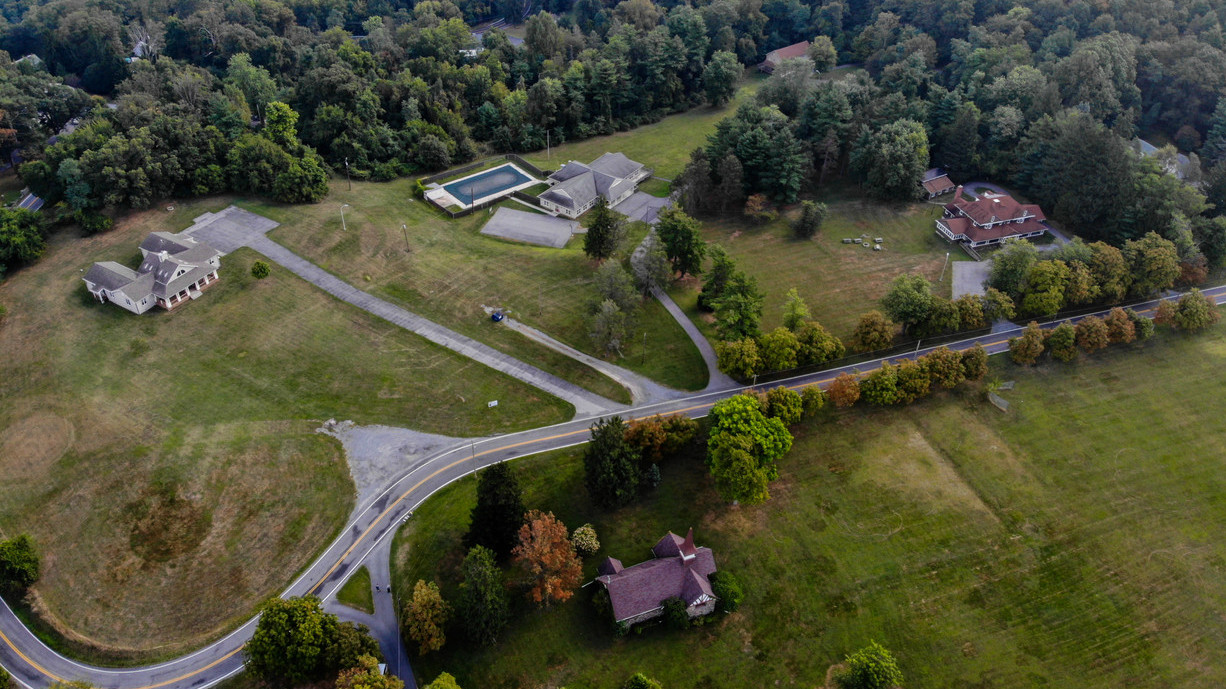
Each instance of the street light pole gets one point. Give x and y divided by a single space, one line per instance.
344 226
347 178
405 229
942 278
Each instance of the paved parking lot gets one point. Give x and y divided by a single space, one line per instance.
533 228
969 277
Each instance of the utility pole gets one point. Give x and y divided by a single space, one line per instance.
547 155
347 179
643 356
344 226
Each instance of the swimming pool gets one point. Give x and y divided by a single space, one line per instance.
485 184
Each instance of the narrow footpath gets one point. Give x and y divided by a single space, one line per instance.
586 403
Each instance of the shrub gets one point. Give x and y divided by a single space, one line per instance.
260 270
584 539
19 564
1142 326
641 681
871 667
727 588
93 222
1120 327
844 391
675 614
813 399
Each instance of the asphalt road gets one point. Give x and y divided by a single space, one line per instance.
35 665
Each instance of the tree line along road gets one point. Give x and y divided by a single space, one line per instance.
34 665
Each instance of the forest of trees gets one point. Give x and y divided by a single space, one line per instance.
1046 95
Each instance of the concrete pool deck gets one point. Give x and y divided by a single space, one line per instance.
452 193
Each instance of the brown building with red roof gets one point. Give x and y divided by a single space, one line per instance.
989 220
776 57
679 569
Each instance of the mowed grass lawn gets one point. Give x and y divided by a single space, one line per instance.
838 281
450 273
356 592
1074 541
167 465
664 146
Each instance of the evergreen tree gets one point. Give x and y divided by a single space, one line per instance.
606 232
810 221
483 607
1214 150
611 465
731 190
499 511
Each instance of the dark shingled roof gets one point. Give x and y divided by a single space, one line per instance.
679 570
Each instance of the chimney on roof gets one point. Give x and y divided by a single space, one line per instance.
163 254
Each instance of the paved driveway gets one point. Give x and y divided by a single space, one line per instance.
229 229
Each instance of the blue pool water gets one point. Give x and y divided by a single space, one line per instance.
486 183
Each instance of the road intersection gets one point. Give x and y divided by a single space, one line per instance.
35 665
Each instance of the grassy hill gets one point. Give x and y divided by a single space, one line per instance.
1070 542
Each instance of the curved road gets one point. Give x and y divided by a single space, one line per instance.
35 665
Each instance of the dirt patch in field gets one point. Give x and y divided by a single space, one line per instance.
30 446
915 468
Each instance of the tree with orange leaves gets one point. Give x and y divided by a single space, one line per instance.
547 555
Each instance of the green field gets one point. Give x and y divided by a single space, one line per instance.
1071 542
838 281
356 592
452 274
663 146
155 457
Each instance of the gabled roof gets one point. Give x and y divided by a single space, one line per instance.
110 276
974 233
166 241
788 51
615 165
937 185
644 587
172 263
986 210
611 565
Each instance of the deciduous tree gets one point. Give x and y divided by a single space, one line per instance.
1025 350
779 349
975 362
682 239
443 681
548 558
795 310
425 617
585 540
1061 342
784 404
641 681
844 390
20 564
289 644
944 367
739 358
1092 334
1119 326
1195 312
720 77
880 387
873 332
909 300
366 675
817 345
1153 263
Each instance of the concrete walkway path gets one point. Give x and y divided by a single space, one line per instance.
643 390
716 379
586 403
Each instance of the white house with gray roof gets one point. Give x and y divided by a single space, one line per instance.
576 186
175 268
